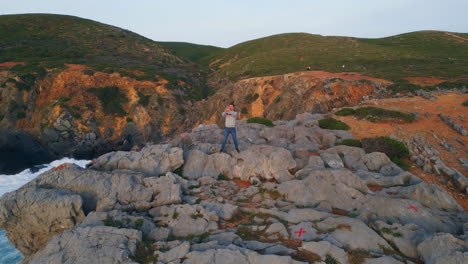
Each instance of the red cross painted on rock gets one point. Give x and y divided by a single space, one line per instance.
299 233
413 207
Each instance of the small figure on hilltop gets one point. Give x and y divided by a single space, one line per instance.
230 126
308 68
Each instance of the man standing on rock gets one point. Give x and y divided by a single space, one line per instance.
230 126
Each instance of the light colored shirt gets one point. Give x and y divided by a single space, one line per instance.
230 118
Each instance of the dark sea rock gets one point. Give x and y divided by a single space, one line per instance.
19 151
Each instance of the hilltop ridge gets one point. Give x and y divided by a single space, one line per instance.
422 54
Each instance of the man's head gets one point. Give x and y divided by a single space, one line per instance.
231 107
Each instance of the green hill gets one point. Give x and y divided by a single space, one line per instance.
424 53
193 52
50 41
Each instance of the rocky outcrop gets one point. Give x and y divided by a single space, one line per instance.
454 125
86 127
427 157
152 160
19 151
261 161
32 215
284 96
76 191
287 197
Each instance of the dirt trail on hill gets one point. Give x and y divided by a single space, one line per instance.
342 75
432 128
455 36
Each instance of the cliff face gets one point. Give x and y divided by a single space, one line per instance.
77 113
284 96
66 111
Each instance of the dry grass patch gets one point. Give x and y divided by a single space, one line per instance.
307 256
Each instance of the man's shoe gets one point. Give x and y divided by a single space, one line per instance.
238 151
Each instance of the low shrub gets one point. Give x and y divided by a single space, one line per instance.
145 251
88 72
331 123
21 115
144 99
350 142
345 112
403 164
222 177
465 103
330 260
111 99
452 85
393 148
179 171
12 106
403 86
260 120
375 114
406 86
251 97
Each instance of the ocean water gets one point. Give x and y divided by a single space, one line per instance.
8 183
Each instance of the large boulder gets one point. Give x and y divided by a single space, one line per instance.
174 253
431 195
32 215
443 249
19 151
405 237
92 244
332 160
344 190
101 191
340 187
372 178
152 160
168 191
324 248
184 220
261 161
354 234
407 211
375 160
199 164
58 199
234 255
351 156
265 162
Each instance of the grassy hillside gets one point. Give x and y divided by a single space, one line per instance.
193 52
50 41
424 53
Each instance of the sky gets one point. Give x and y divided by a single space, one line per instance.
225 23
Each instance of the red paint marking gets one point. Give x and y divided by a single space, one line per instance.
299 233
413 207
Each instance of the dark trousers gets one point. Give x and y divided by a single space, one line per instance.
227 131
